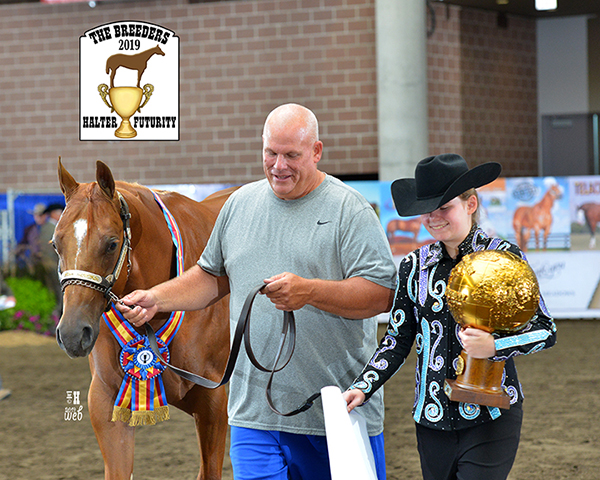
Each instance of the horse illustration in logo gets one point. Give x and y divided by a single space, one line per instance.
138 62
537 217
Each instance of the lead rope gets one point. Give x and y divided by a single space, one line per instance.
242 331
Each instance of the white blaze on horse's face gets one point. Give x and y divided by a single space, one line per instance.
80 228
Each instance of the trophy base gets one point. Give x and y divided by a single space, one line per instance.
479 381
125 130
456 393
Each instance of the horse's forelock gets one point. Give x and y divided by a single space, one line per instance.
89 202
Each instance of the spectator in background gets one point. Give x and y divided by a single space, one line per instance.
49 258
28 249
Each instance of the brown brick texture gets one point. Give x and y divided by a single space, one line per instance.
483 89
240 59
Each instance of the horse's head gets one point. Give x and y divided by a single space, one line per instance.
157 50
556 191
91 241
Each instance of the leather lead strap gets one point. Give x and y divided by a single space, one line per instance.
242 332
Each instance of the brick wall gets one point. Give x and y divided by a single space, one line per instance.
482 90
444 76
240 59
499 90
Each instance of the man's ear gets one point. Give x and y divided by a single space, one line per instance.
317 150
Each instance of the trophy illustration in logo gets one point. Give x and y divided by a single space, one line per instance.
127 100
495 291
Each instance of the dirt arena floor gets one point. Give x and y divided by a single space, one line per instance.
560 437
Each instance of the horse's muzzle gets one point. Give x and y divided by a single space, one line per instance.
76 342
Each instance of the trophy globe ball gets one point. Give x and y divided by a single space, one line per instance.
493 290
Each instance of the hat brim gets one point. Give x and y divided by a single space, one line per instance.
54 206
404 191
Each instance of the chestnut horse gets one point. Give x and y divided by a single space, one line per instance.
537 217
92 238
591 212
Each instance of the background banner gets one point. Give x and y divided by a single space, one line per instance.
552 219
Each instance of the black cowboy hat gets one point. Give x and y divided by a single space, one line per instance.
438 179
54 206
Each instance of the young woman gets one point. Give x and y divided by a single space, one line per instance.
455 440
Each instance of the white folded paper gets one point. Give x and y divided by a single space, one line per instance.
350 453
6 302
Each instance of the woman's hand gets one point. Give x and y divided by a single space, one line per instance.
354 398
477 343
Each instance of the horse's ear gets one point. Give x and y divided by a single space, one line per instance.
68 185
105 179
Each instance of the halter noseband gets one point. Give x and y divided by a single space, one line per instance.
95 281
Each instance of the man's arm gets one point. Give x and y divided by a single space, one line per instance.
193 290
353 297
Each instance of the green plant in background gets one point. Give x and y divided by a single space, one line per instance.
34 307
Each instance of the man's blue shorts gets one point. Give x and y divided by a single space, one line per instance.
272 455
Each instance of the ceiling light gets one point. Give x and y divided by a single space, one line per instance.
546 4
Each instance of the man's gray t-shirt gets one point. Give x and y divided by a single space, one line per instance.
332 233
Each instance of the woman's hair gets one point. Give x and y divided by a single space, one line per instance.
465 196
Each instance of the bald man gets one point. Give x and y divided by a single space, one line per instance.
318 246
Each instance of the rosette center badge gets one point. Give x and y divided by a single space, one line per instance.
129 82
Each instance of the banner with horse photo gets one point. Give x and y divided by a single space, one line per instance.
533 212
552 219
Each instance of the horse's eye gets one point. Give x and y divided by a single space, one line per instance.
112 246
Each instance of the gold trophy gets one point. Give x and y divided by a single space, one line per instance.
125 101
495 291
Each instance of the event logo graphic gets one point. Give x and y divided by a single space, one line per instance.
525 191
122 67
